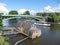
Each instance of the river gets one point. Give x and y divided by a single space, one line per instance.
50 35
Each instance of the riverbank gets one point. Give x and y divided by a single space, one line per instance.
3 41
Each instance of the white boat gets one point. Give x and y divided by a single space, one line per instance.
42 24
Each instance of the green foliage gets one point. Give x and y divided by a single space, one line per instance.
13 12
54 17
5 42
0 22
6 38
26 13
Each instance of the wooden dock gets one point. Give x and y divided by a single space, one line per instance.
13 30
9 30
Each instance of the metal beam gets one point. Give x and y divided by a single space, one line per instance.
20 16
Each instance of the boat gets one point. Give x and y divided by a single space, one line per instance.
43 24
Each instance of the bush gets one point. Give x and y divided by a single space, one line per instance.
0 22
54 18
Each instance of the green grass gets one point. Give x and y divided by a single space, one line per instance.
4 40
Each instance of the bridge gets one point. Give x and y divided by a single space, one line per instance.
16 30
5 17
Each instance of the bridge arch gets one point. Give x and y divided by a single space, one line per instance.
37 18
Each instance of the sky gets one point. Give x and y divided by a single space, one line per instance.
31 5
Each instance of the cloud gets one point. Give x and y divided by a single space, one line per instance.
57 9
3 8
48 9
32 12
21 11
51 9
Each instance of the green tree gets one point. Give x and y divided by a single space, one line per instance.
0 22
54 17
13 12
26 13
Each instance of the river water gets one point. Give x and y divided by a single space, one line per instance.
50 35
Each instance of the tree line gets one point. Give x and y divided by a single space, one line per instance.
54 17
14 12
50 17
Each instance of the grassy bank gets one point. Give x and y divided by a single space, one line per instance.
4 40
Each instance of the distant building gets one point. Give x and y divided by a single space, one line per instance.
39 14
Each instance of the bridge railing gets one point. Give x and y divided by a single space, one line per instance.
21 16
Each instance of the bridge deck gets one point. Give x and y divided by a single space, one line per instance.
21 16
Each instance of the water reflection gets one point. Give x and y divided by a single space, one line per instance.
55 27
50 35
9 23
5 22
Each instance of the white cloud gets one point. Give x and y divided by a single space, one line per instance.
32 12
21 11
50 9
47 9
57 9
3 8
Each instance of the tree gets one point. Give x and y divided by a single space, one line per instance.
54 17
14 12
0 22
26 13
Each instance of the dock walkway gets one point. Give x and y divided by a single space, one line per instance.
12 30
